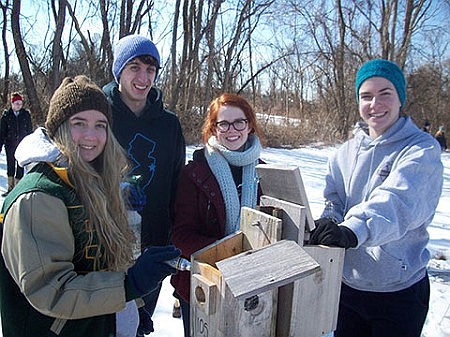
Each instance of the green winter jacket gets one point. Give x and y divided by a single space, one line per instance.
51 283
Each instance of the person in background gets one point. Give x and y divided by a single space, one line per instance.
220 179
154 143
440 137
66 266
382 190
15 124
426 127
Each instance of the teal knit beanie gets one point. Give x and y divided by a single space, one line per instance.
382 68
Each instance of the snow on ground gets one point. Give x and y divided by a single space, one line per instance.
312 163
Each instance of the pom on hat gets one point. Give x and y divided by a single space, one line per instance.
382 68
130 47
75 94
16 97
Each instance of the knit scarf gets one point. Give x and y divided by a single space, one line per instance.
219 159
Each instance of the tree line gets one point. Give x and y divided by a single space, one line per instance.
293 58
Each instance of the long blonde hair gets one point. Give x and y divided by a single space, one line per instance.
99 191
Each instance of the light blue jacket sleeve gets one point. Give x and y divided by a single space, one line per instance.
334 201
404 201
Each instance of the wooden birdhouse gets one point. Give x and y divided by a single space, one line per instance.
307 307
234 288
263 281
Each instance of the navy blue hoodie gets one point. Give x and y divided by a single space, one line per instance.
155 146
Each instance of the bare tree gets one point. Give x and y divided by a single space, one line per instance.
339 66
105 44
386 18
429 86
130 20
296 58
24 65
174 88
126 9
5 83
414 15
184 86
327 28
59 14
187 73
94 61
210 36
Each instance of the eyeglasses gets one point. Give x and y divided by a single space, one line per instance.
238 125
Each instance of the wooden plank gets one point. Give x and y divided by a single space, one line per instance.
204 314
215 311
211 273
284 309
316 298
293 227
206 294
249 317
293 218
221 249
260 229
285 183
206 317
272 266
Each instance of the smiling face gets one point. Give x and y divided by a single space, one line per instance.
379 105
88 129
136 80
232 139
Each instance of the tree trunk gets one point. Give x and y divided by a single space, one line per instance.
36 111
105 45
414 12
339 64
211 54
5 90
174 88
57 53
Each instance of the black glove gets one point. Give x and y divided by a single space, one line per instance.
328 232
149 270
145 322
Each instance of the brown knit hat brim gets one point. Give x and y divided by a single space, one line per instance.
75 94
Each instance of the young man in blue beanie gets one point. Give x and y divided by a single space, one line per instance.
153 140
382 190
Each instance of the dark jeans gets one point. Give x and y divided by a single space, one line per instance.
146 312
376 314
185 314
12 167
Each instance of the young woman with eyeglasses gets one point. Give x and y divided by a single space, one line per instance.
220 179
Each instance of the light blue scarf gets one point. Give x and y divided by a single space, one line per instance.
219 159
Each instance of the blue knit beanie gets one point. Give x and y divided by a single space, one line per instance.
130 47
382 68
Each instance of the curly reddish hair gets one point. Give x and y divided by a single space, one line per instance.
209 125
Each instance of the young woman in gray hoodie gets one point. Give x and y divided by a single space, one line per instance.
382 190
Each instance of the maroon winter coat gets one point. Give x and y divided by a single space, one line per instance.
199 215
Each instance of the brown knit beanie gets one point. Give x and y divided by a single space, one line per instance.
75 94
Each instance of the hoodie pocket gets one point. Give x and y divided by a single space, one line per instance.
372 268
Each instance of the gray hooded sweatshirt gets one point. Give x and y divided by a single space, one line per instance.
386 191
